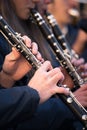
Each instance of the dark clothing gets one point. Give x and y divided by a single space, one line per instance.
71 34
17 104
4 49
71 37
83 24
49 116
19 111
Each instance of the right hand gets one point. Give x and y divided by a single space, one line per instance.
45 81
81 95
81 66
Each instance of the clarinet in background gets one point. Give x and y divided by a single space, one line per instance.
60 36
15 40
60 56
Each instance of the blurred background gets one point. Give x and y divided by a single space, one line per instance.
71 16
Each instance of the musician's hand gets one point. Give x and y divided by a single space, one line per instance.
45 81
81 95
81 66
83 70
34 48
68 81
77 62
15 65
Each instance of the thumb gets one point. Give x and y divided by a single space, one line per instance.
14 55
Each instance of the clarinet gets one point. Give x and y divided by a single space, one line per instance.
60 36
15 40
60 56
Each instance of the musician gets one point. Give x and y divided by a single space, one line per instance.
63 21
48 114
19 104
76 37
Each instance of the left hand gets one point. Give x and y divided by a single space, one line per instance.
81 66
81 95
15 65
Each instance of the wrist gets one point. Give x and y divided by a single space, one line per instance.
6 80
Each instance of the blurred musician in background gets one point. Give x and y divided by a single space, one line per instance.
68 17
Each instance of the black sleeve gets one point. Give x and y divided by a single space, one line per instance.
83 24
17 103
5 48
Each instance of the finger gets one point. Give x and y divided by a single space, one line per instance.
84 74
34 48
46 66
77 62
61 90
27 41
80 62
54 71
14 55
57 78
85 66
39 57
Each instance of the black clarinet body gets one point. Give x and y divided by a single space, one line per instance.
60 36
60 56
16 41
61 39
